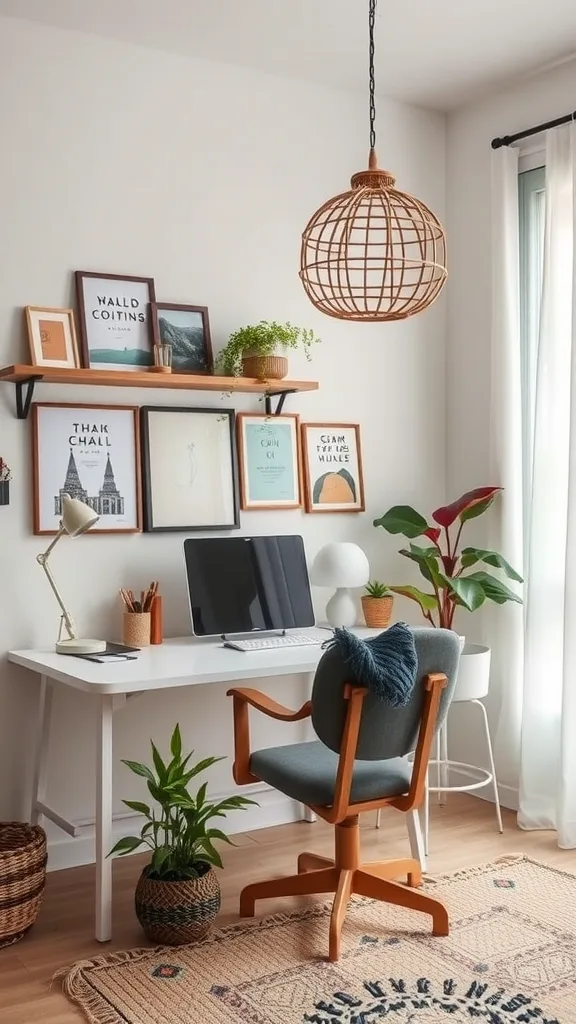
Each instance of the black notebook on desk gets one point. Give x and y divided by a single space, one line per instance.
113 652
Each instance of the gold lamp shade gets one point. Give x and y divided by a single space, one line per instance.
373 253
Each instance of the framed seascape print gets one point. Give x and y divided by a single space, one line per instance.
187 330
189 467
269 451
332 457
91 452
115 320
52 337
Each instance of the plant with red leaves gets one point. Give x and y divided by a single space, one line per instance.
443 562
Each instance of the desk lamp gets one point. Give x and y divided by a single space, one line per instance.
340 565
77 518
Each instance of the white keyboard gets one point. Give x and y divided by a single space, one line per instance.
271 643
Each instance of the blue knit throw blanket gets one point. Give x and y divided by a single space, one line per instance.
385 664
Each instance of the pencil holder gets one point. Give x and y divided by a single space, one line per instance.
136 629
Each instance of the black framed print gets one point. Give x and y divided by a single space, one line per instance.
187 330
190 475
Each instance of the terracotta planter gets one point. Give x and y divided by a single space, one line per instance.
377 611
176 913
265 367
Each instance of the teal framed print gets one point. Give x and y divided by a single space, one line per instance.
269 459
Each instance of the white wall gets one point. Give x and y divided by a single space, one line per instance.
120 159
470 131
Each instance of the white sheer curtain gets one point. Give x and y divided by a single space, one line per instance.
548 737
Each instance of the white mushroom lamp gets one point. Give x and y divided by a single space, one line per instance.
341 565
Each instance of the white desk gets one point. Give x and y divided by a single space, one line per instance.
181 662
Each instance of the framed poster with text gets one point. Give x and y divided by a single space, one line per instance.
269 456
332 457
115 320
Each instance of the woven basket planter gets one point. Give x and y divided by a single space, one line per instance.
377 611
265 367
176 913
22 878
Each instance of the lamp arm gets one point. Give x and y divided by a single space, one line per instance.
43 561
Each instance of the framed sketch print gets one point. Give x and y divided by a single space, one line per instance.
189 466
52 337
115 320
187 329
332 457
269 451
92 453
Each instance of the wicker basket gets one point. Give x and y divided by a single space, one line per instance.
265 367
22 878
176 913
377 611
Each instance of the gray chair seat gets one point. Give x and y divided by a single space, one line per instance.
307 773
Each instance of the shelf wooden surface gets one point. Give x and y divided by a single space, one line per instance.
142 379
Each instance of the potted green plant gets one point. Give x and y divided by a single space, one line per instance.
254 351
178 895
446 565
377 605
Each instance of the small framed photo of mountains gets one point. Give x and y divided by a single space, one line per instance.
333 480
187 330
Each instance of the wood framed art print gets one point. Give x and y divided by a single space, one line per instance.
332 457
91 452
269 454
190 472
52 337
115 320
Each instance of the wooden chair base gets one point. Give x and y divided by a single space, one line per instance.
344 877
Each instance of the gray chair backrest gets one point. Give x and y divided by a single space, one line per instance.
384 731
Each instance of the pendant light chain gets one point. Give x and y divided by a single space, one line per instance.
371 24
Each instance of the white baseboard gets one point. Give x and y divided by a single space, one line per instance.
273 809
508 794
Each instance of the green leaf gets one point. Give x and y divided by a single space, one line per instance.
493 588
426 560
126 845
136 805
176 743
158 764
476 510
140 769
216 833
160 856
470 556
427 602
201 795
469 592
403 519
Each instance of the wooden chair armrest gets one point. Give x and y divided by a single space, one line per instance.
270 707
434 683
244 699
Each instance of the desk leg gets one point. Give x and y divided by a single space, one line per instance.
40 777
104 819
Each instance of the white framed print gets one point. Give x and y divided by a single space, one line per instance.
92 453
269 454
52 337
189 469
333 479
115 321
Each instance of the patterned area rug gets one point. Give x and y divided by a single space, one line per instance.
510 959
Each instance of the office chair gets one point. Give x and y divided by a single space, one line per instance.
357 764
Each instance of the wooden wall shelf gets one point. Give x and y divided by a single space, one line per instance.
26 377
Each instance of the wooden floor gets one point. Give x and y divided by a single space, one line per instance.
463 834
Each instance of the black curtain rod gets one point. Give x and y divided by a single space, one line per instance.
508 140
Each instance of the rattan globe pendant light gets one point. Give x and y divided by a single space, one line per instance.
373 253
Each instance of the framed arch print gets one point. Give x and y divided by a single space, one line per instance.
333 478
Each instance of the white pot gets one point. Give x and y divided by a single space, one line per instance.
473 673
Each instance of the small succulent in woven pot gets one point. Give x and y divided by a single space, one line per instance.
255 351
377 604
178 895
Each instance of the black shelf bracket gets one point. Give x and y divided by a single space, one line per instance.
281 396
23 401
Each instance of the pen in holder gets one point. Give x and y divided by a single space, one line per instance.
136 629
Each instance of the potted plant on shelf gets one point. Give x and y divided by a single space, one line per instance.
255 351
377 605
178 895
445 566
